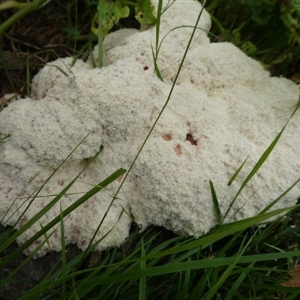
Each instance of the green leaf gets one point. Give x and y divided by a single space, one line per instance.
236 36
216 202
281 58
236 173
157 71
142 289
262 159
248 47
296 5
144 12
112 12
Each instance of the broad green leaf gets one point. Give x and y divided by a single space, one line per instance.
144 12
248 47
111 14
296 5
236 36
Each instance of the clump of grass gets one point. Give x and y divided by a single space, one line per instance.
233 261
240 260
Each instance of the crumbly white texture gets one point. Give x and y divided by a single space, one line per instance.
224 108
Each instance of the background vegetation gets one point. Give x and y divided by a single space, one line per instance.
235 261
267 30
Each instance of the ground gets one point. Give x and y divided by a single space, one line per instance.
39 38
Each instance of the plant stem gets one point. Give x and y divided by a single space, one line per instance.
12 4
20 14
100 35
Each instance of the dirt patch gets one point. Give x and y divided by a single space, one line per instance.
36 269
40 37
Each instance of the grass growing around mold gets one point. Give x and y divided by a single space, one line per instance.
267 30
233 261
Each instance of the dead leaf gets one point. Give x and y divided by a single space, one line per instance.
294 281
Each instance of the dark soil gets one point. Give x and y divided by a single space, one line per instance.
39 38
36 269
32 273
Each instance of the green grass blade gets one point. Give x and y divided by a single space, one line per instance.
30 222
236 173
91 244
156 69
186 282
155 55
6 280
261 160
223 231
295 295
32 6
67 211
175 28
56 220
100 35
63 250
268 207
194 265
158 16
215 202
142 289
167 101
228 271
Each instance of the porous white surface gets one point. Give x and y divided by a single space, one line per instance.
224 108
